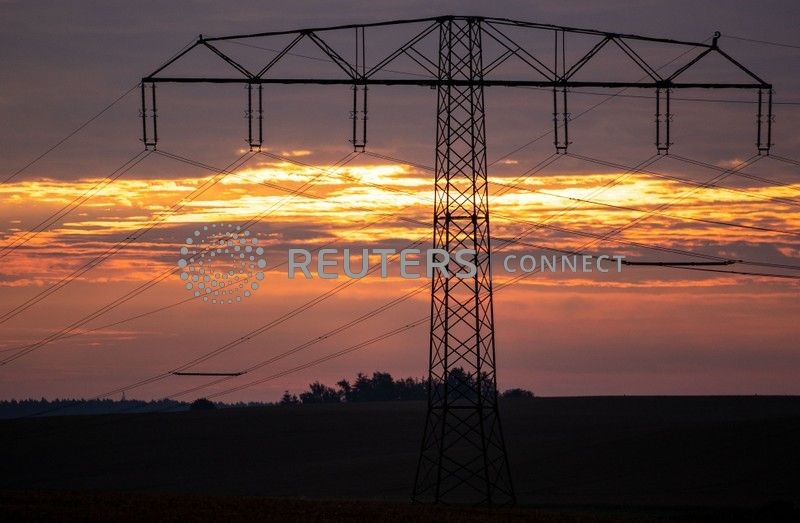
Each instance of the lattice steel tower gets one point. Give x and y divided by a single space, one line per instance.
463 455
463 452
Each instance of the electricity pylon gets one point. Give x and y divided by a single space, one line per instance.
463 455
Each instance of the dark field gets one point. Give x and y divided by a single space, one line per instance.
573 459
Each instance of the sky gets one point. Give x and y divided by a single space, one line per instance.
647 330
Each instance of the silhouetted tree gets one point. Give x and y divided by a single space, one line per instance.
345 390
411 389
202 404
517 393
381 386
289 399
464 385
362 388
377 388
319 393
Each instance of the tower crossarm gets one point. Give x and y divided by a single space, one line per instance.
515 53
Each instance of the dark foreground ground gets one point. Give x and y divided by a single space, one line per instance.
573 459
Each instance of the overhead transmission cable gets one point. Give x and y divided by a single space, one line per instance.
72 331
515 184
82 126
723 271
88 266
66 331
258 331
339 288
110 251
69 135
615 165
564 230
150 380
764 42
48 222
612 95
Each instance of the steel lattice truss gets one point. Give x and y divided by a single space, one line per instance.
463 455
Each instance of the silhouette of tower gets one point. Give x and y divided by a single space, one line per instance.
463 455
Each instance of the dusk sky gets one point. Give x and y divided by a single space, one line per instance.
648 330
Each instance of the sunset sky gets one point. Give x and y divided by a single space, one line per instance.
648 330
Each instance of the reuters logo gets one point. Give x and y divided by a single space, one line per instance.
222 263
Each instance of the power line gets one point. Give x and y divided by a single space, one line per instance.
155 378
313 341
655 213
99 259
409 326
240 340
145 286
286 316
68 135
270 325
60 335
71 332
544 223
642 168
639 168
743 174
84 124
339 288
614 165
255 332
376 339
541 136
323 359
74 204
515 185
743 273
161 376
583 92
784 159
118 246
380 337
764 42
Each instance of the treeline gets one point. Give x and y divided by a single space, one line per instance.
72 407
69 407
381 386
